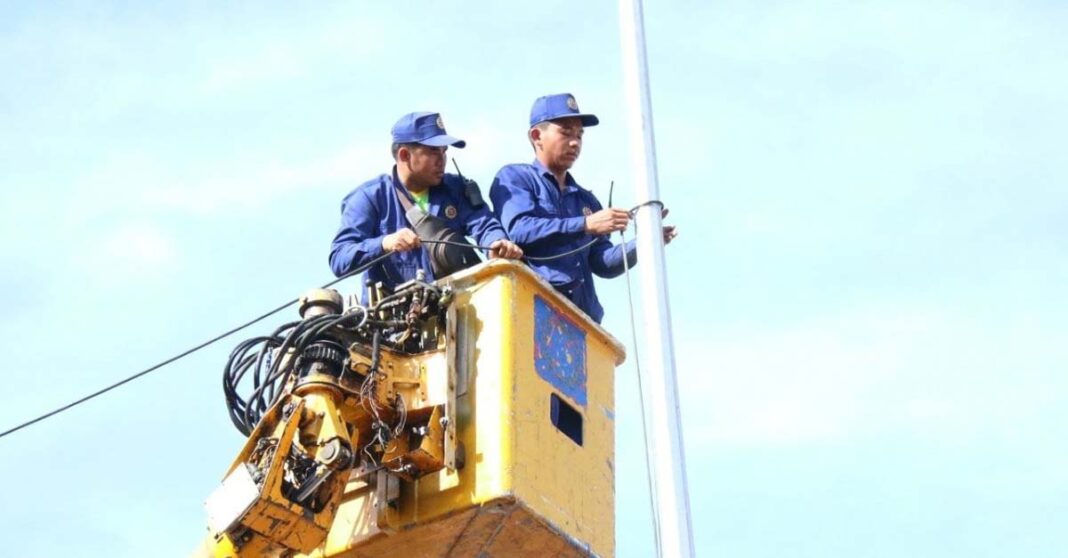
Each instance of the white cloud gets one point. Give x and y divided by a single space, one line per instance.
260 58
128 251
489 147
275 62
145 184
251 185
794 31
786 387
927 373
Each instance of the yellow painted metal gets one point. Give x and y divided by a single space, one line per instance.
223 547
274 523
523 478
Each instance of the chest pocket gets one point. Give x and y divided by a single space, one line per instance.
577 204
550 200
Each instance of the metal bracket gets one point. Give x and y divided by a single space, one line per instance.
387 496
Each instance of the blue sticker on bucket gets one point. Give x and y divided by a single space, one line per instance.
559 351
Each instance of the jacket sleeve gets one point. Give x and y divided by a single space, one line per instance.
527 224
481 225
606 260
357 241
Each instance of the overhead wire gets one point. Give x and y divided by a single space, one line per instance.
187 352
266 391
246 413
525 257
651 481
630 212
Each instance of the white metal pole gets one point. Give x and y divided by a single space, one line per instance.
675 535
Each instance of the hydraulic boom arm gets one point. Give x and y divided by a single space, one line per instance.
345 392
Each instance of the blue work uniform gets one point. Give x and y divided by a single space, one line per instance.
372 211
545 221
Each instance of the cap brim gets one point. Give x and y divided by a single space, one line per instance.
443 140
587 120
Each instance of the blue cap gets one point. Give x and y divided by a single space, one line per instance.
561 105
424 128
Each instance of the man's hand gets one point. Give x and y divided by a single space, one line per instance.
669 234
607 221
505 249
400 241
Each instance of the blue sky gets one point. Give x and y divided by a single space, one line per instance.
867 291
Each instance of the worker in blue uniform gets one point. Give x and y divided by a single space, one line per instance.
373 216
548 214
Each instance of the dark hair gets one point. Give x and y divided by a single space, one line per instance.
396 147
543 125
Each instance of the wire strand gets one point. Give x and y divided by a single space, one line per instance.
630 212
634 210
270 313
188 352
650 480
529 258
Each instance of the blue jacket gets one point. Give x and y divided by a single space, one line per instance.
372 211
544 221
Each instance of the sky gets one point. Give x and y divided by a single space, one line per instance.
868 289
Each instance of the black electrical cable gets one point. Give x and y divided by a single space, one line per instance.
272 360
562 254
630 212
188 352
530 258
287 351
269 381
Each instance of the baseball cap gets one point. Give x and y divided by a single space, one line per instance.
561 105
424 128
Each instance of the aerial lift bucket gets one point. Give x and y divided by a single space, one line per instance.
531 450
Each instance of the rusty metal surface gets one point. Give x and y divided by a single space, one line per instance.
500 529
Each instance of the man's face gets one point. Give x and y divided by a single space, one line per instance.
426 165
560 143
